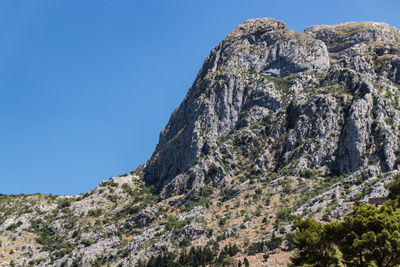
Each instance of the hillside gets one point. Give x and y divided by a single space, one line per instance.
276 124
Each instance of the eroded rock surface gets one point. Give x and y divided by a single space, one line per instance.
276 124
327 98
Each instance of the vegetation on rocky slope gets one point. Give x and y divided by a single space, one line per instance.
369 236
277 125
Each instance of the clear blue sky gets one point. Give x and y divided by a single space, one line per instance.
86 86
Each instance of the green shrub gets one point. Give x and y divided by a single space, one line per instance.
127 189
13 226
112 198
274 243
176 226
308 173
284 215
206 191
213 169
254 248
185 242
86 242
64 203
201 201
221 237
109 183
258 212
95 212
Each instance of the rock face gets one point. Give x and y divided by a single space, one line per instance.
276 124
327 99
220 92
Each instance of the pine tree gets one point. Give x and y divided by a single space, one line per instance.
368 237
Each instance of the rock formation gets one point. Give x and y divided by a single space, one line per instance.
276 124
327 97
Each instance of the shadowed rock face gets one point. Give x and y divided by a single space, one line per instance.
326 98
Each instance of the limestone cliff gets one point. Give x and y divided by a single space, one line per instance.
276 124
325 99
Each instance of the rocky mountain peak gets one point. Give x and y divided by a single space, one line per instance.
257 26
320 94
276 124
267 46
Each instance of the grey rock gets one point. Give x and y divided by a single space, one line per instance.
267 104
315 94
220 92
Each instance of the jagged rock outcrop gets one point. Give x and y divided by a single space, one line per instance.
220 92
327 98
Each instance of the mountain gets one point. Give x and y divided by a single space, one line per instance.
276 124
